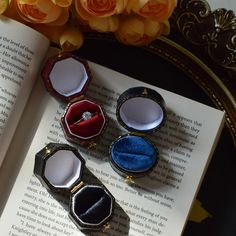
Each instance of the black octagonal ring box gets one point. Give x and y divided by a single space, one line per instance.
140 110
59 167
67 77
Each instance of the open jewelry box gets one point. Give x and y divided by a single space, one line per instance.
59 167
139 110
67 77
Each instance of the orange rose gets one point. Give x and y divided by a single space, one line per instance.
137 31
87 9
42 11
104 24
3 5
158 10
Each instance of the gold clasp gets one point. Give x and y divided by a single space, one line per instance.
47 150
129 179
76 187
91 145
145 92
81 97
137 134
106 227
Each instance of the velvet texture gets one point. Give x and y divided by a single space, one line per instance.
92 205
84 128
134 154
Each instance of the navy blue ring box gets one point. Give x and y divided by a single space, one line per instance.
140 110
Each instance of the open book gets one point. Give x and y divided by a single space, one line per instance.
157 204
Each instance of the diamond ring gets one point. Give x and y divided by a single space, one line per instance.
86 116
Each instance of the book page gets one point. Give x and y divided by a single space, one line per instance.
157 204
22 50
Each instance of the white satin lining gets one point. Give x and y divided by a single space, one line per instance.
141 113
68 77
62 169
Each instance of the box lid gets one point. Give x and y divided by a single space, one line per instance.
59 167
66 76
141 109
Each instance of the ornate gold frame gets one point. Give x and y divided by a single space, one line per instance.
214 30
215 33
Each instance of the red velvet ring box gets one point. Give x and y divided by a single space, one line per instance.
59 167
67 77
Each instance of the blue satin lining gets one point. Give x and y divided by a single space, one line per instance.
133 153
92 205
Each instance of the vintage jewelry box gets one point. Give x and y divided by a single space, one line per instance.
67 77
139 110
59 167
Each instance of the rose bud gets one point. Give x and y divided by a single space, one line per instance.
71 39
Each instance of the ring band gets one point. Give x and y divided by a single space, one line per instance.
86 116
